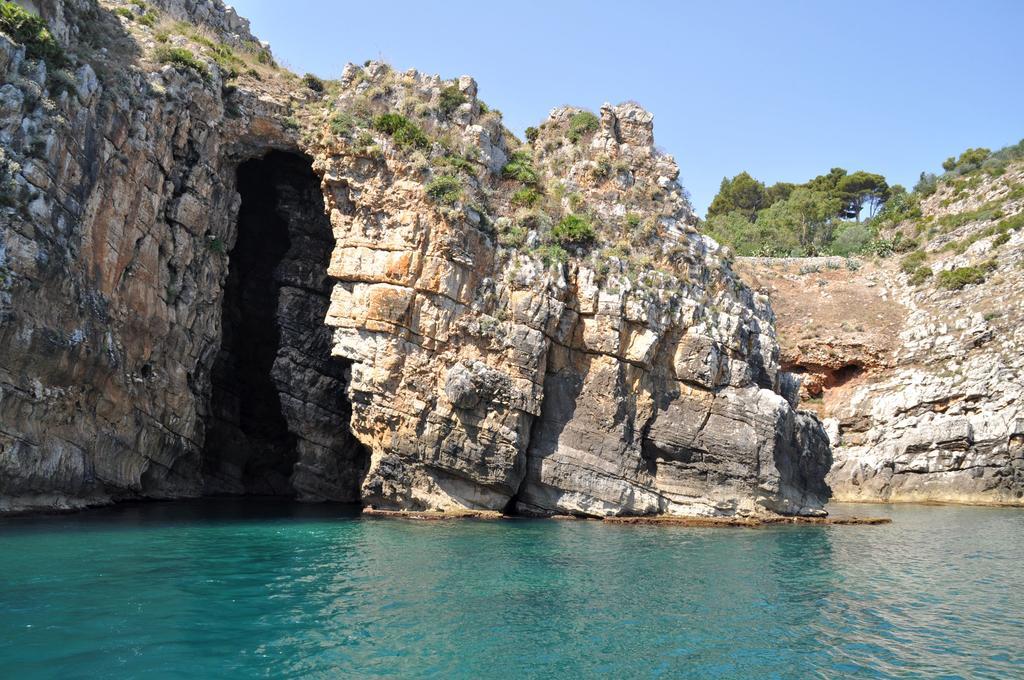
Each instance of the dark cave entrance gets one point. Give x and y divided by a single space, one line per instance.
817 379
278 417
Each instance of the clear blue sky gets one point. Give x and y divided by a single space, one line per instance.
783 90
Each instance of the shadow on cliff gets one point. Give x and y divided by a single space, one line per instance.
279 416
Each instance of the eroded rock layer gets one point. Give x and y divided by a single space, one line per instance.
441 317
484 379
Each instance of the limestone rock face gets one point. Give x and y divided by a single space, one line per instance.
118 208
448 365
419 325
484 379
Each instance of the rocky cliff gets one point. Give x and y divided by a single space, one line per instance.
218 277
915 361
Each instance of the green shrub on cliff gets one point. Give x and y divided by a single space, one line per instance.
229 63
910 263
989 211
403 131
454 163
445 189
526 197
343 124
180 56
451 99
520 168
968 161
920 275
580 124
955 279
259 52
9 189
313 83
1012 223
215 244
147 18
31 31
61 80
512 236
573 230
552 253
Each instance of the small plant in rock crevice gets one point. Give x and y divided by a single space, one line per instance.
181 57
444 190
451 99
581 124
405 133
215 245
573 230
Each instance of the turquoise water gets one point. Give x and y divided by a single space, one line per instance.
228 589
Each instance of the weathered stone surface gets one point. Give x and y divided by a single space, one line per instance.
558 389
122 204
371 340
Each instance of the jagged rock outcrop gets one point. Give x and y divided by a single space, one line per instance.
213 15
484 379
919 384
454 320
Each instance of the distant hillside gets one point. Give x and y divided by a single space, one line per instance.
914 360
838 213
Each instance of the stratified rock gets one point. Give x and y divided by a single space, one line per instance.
483 380
187 310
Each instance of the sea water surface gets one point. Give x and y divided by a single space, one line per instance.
240 589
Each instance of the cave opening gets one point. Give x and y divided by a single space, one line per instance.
817 379
278 421
845 374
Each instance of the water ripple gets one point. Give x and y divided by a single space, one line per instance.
240 591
